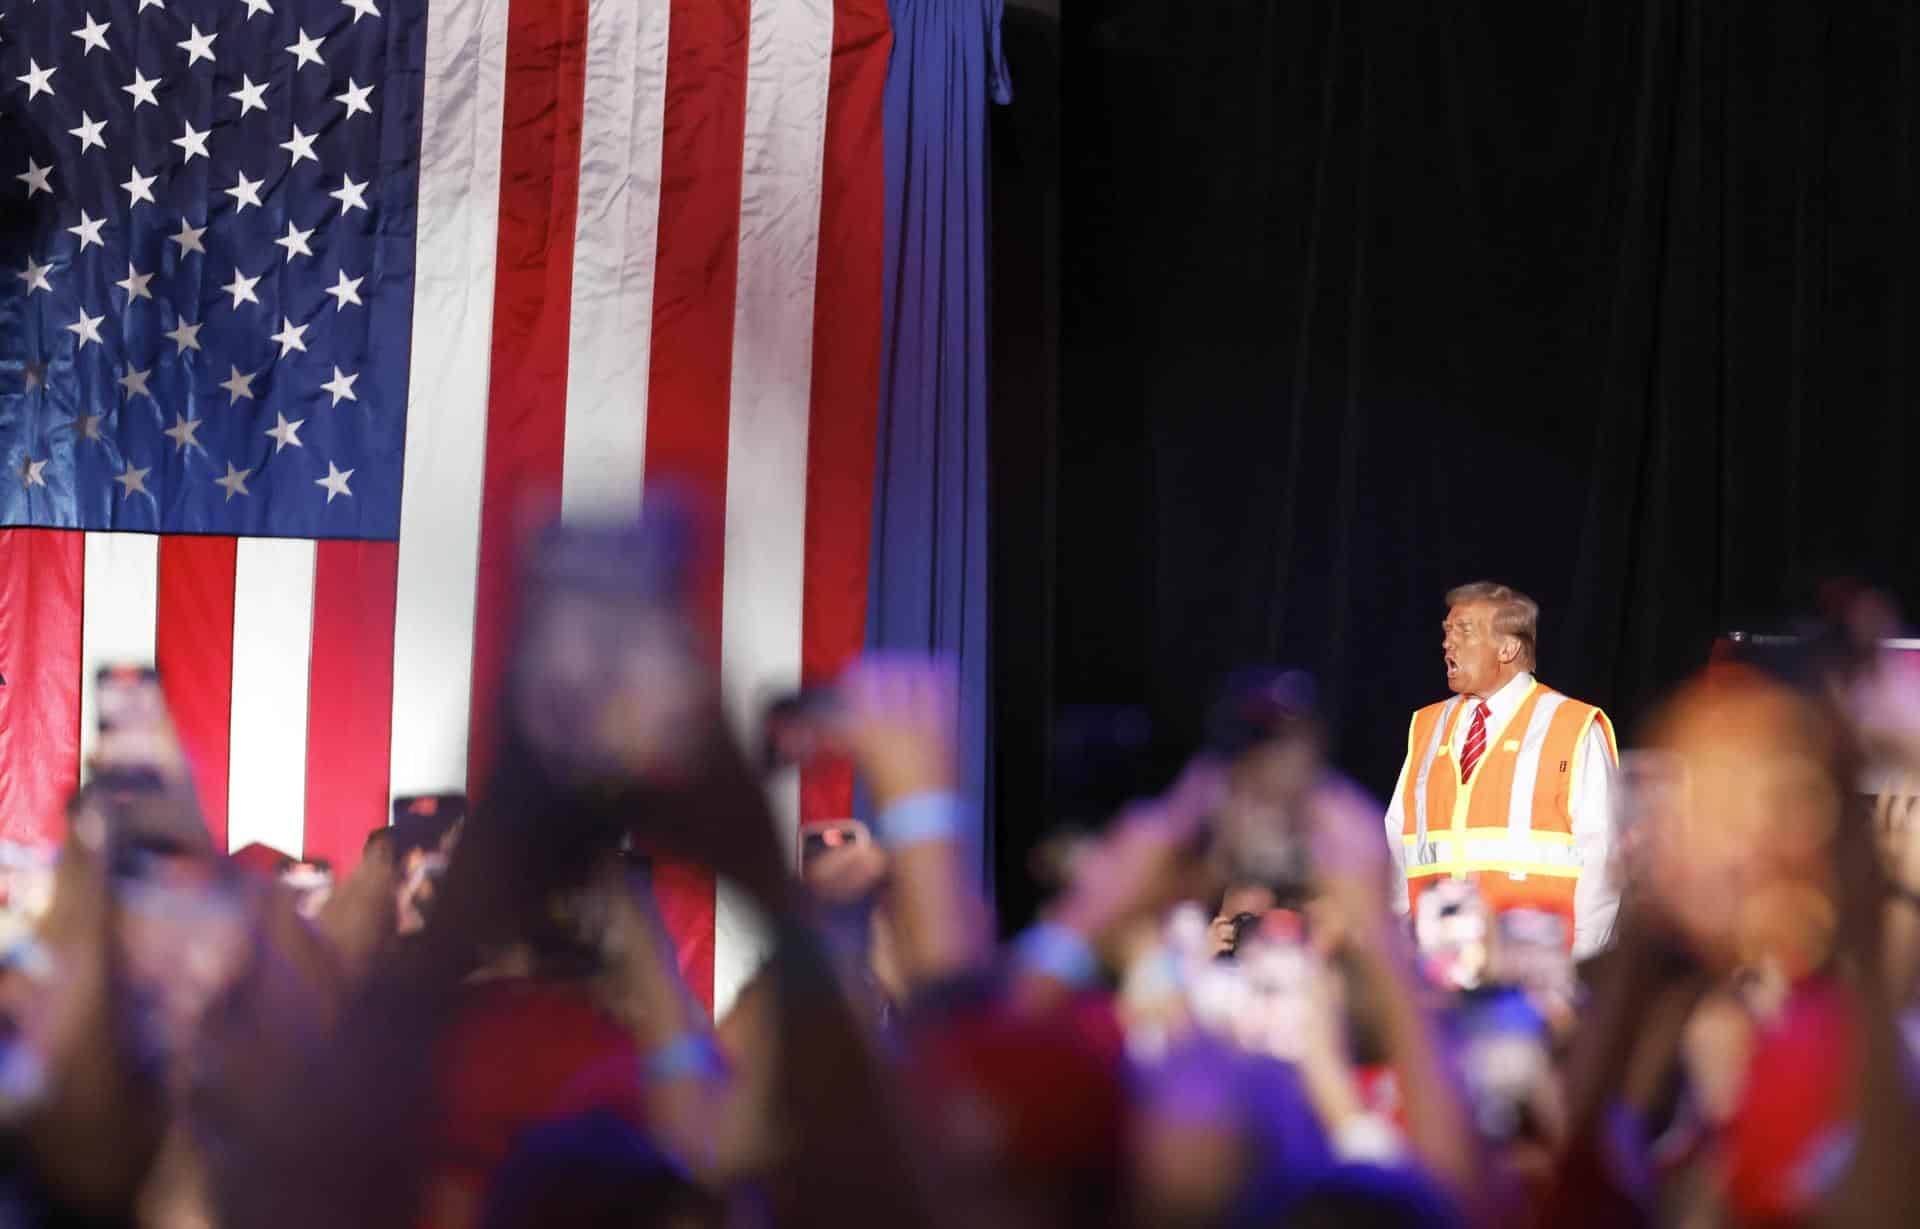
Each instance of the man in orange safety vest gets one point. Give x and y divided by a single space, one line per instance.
1509 783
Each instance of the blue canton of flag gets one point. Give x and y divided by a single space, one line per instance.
207 292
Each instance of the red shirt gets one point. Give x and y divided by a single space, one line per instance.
520 1052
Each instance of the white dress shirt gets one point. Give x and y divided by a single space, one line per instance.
1596 897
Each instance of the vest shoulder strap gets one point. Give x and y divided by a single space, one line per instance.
1583 715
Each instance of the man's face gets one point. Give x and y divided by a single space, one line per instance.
1472 650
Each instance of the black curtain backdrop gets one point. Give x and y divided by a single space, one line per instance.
1613 301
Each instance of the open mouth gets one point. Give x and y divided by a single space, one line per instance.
1452 667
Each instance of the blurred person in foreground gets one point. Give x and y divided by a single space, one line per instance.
540 999
1248 1071
161 985
1748 977
1509 783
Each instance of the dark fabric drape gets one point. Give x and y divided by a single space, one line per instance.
1611 301
928 587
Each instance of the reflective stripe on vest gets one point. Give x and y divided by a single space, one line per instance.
1493 850
1526 767
1441 729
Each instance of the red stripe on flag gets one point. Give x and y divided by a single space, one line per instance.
845 403
193 647
527 402
701 161
41 579
349 697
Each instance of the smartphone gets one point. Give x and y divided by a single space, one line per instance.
818 839
423 840
1276 976
137 754
1452 930
127 696
606 677
183 942
1506 1054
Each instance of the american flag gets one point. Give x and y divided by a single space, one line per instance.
321 303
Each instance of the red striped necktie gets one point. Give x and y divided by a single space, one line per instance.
1476 742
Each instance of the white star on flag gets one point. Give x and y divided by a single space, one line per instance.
93 34
291 337
89 132
239 385
182 433
132 480
138 188
335 482
90 426
301 146
135 383
88 231
305 52
36 178
86 328
235 481
192 142
189 239
284 432
361 8
295 241
355 98
135 284
185 336
341 386
198 47
31 474
351 195
245 192
35 276
258 6
153 4
38 80
346 290
251 97
142 89
241 288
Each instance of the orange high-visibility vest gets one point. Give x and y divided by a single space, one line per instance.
1509 829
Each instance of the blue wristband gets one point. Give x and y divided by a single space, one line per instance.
1051 950
921 817
688 1056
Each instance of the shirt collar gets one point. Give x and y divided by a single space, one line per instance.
1506 701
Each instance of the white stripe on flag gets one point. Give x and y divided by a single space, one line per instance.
454 256
119 615
616 239
789 69
272 652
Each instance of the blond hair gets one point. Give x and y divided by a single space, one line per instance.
1514 613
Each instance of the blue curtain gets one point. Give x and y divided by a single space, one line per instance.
928 581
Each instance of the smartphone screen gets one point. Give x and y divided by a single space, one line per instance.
1276 979
819 839
1451 927
127 696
